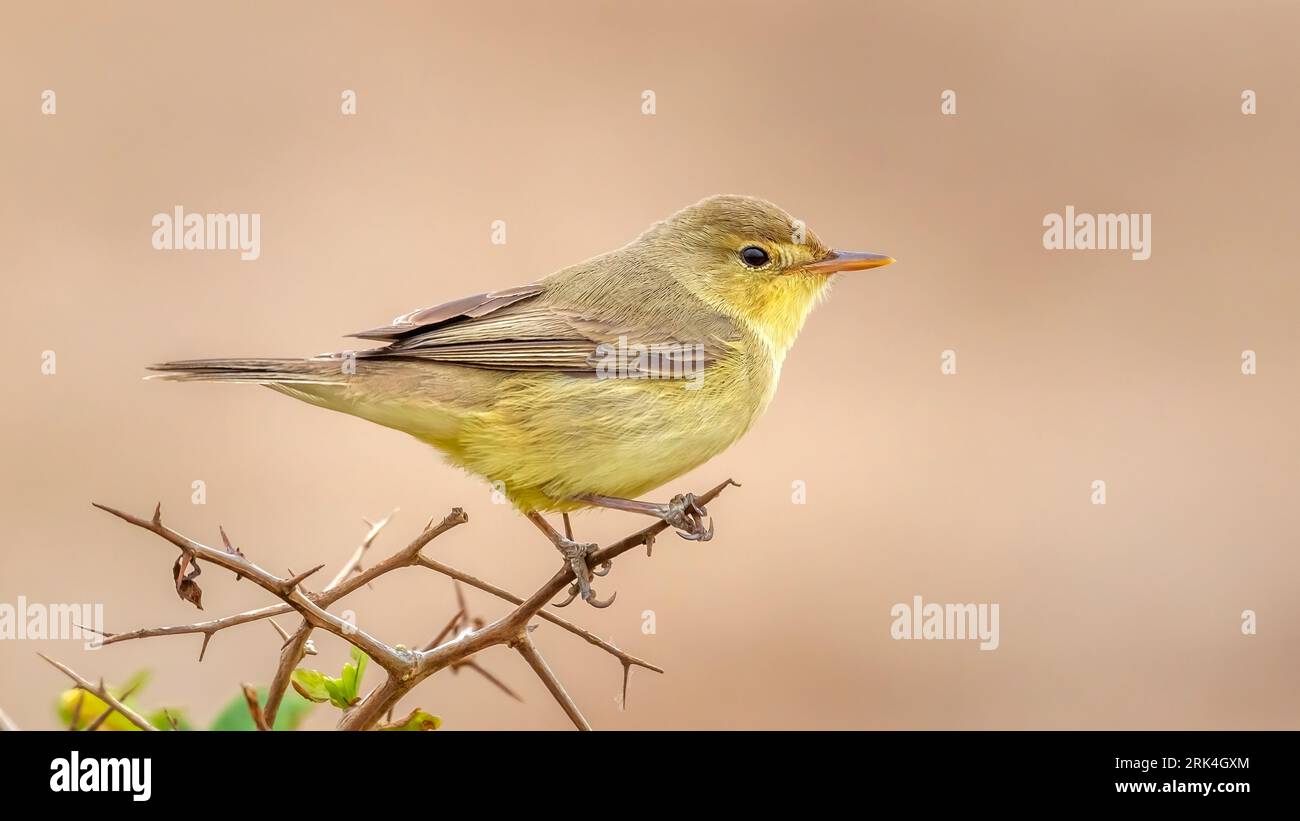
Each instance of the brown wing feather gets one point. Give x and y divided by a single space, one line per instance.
514 330
468 307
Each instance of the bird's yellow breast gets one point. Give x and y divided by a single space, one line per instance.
549 438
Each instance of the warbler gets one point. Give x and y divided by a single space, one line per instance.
598 383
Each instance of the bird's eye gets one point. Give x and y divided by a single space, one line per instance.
754 256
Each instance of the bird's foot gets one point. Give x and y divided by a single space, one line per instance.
575 555
687 516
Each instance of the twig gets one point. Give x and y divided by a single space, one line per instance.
254 709
526 649
353 564
104 695
102 717
503 631
392 660
405 668
498 683
292 653
547 615
297 646
404 558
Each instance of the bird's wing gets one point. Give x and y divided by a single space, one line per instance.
470 307
519 330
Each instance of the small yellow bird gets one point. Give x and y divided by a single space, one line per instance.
602 381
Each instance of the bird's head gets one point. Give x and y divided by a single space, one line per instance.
749 259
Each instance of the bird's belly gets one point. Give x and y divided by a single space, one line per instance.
552 438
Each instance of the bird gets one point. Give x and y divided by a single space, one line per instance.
596 384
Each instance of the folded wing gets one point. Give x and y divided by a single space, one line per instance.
518 329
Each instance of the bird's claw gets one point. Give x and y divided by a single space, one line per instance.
573 594
688 516
576 553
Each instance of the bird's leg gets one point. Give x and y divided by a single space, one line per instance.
604 568
684 513
575 553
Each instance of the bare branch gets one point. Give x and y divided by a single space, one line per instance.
102 692
291 654
254 709
353 564
299 645
503 631
486 587
404 558
396 662
498 683
526 649
102 717
405 668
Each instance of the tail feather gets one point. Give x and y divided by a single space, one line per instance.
326 370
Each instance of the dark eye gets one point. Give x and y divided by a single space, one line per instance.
754 256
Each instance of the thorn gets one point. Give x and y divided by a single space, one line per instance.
460 596
207 637
627 671
157 514
103 633
283 635
473 665
287 586
231 549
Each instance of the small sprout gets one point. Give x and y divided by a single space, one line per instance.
343 692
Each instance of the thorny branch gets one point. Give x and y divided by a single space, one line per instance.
452 648
104 695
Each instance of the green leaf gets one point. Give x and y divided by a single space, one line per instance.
234 716
310 684
353 673
338 697
362 660
417 721
342 692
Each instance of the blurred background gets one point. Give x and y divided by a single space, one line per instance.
972 487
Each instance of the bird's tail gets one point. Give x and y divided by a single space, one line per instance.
322 370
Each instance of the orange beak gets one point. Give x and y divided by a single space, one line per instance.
838 261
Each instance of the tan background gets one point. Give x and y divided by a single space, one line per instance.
973 487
